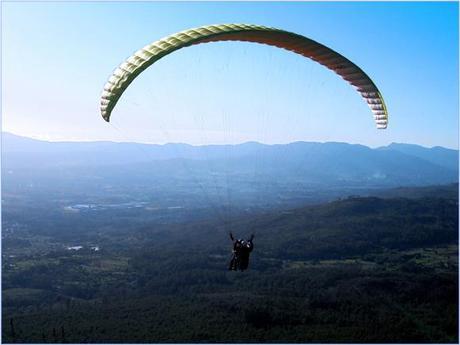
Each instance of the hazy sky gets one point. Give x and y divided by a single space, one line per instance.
56 57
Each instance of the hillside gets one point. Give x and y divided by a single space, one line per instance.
352 270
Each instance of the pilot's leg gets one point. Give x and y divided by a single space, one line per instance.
232 266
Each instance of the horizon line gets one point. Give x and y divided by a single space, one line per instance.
210 144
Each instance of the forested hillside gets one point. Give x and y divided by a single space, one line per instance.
354 270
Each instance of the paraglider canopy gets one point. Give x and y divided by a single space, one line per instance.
145 57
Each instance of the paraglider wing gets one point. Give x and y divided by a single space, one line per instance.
143 58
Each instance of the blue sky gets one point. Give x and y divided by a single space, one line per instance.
56 57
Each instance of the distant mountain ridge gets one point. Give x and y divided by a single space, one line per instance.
307 163
15 143
438 155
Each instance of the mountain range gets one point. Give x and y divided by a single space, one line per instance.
306 162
